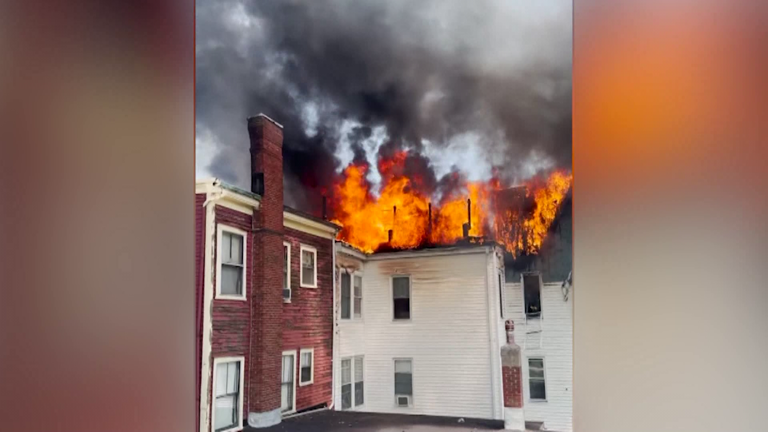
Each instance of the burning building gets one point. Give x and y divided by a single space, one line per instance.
396 301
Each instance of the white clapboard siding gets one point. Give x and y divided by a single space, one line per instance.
448 336
557 351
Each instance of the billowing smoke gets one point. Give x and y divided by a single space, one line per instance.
465 86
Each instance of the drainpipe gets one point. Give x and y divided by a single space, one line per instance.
334 357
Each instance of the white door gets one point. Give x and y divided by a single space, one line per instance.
288 383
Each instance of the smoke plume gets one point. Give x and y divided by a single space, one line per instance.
442 78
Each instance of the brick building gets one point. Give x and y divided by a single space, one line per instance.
264 297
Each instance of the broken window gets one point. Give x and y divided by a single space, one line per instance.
532 293
401 294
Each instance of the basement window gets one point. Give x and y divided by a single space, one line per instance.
230 280
532 292
401 296
536 382
308 267
286 272
228 393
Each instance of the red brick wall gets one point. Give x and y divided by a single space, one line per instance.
199 254
513 386
231 318
308 319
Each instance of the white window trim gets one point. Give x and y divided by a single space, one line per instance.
216 362
392 299
413 387
301 266
311 367
219 231
352 296
544 367
353 382
295 369
288 300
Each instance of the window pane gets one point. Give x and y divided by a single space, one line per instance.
233 377
226 412
307 267
358 286
346 371
306 374
403 366
221 379
306 359
231 248
346 396
231 280
403 383
538 390
536 363
358 369
400 287
358 307
402 308
532 293
288 369
359 392
285 266
345 295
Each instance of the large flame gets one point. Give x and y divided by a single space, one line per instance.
401 211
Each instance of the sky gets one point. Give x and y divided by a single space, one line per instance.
464 86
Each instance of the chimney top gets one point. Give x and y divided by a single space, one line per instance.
266 117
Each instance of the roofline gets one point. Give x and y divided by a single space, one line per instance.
241 196
347 249
438 251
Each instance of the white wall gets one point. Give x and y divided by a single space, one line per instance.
448 336
557 350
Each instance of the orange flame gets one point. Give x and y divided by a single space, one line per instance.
367 220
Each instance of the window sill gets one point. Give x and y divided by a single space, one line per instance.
308 286
227 297
233 429
306 383
537 401
286 300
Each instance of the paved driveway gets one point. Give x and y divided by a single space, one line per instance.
331 421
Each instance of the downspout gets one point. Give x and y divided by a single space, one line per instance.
208 257
494 352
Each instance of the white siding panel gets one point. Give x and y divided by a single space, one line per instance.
447 337
557 351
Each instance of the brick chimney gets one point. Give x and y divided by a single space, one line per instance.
265 360
512 381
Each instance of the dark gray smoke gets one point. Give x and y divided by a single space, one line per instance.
426 70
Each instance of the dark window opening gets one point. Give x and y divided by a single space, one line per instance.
532 292
345 296
401 293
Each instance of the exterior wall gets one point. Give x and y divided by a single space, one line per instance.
449 337
230 319
199 253
557 351
308 319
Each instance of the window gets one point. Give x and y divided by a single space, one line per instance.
308 267
502 296
352 381
403 381
288 383
532 293
286 272
351 306
306 372
346 384
358 303
401 295
228 393
536 383
230 281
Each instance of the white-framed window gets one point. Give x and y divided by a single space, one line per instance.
537 384
532 294
286 272
351 296
288 383
403 382
307 366
401 298
352 382
308 267
227 413
230 263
